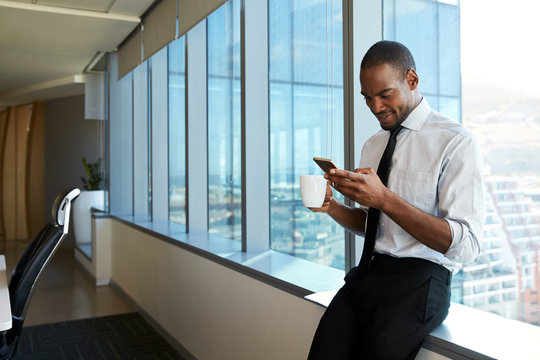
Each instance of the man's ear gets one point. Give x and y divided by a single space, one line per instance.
412 79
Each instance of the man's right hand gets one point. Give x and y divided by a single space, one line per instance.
327 200
353 219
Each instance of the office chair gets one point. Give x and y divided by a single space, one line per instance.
26 273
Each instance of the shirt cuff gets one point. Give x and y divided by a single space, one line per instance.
462 249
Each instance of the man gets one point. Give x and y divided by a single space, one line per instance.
430 216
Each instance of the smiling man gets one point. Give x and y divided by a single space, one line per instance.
421 213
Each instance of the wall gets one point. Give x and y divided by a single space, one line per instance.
68 138
211 310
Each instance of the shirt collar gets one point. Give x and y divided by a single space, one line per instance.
418 116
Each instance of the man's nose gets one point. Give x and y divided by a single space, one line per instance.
377 105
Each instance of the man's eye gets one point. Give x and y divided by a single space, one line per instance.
385 95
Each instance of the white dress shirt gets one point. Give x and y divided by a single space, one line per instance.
437 167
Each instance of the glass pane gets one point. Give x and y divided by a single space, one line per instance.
121 143
141 148
177 131
431 31
503 114
306 120
224 137
449 54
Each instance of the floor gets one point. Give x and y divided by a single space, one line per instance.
65 291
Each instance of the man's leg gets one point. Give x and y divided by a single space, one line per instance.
336 335
404 318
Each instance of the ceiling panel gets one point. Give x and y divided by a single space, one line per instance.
92 5
132 7
39 44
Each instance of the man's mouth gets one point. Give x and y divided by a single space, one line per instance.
382 116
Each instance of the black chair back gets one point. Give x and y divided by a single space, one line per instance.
35 257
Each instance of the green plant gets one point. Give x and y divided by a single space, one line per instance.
93 174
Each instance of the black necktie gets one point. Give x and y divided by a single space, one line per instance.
374 214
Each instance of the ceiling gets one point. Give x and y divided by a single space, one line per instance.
45 45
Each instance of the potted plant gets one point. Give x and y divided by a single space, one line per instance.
93 173
90 197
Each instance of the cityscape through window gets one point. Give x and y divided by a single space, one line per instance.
306 120
224 138
463 59
503 111
177 131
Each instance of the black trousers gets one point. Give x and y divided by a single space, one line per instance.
384 313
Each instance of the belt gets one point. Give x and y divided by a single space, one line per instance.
411 263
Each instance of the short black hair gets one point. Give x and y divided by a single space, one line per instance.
389 52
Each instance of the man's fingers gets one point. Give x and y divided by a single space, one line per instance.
339 172
349 174
364 171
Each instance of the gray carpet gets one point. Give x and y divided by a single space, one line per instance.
125 336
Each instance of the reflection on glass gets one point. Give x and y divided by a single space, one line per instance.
224 138
177 131
306 120
504 279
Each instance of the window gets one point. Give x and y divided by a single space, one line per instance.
306 120
121 142
430 30
458 48
504 117
224 138
177 131
141 142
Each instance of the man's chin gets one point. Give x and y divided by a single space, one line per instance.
387 126
388 122
390 127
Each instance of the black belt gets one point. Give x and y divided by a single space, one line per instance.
404 263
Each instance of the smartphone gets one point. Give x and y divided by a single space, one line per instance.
325 164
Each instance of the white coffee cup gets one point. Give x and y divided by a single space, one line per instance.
313 190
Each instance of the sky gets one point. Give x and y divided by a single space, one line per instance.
500 42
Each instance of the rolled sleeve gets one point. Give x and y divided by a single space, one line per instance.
465 246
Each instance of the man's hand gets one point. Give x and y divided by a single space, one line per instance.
361 185
327 200
351 218
364 187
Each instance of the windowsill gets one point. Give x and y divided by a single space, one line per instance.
466 333
86 250
268 266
